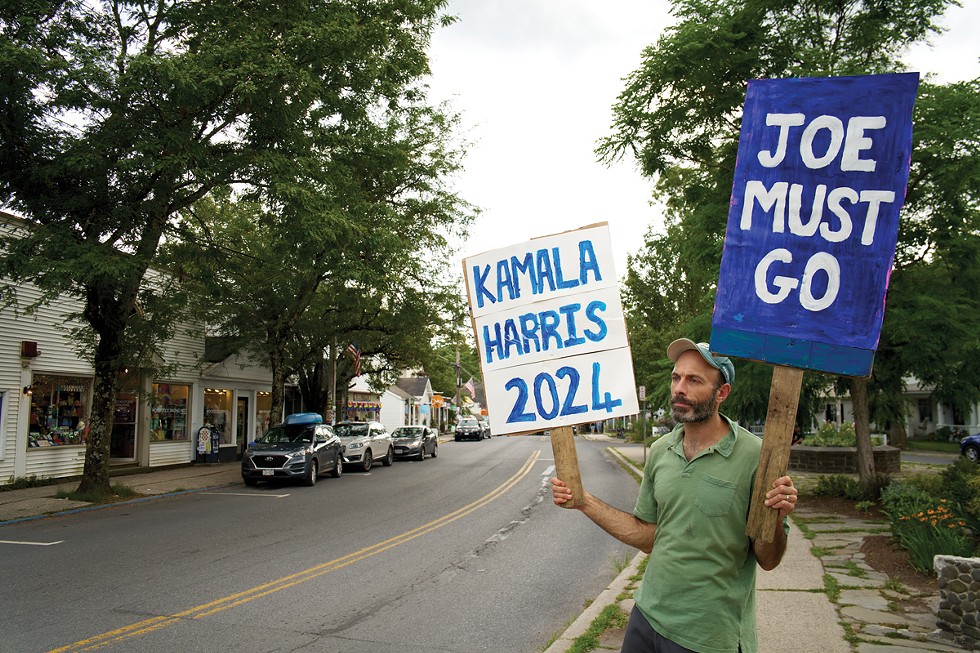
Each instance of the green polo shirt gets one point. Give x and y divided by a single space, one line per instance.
699 586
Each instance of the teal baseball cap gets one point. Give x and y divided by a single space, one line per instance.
720 363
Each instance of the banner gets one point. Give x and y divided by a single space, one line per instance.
821 174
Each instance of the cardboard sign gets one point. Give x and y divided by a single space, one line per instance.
821 174
550 332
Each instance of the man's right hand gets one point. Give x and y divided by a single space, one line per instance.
561 493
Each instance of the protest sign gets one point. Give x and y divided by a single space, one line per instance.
820 178
550 332
812 226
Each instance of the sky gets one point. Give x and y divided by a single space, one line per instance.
535 82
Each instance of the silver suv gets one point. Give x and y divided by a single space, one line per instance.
364 443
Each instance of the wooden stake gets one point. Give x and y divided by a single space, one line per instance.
566 463
777 438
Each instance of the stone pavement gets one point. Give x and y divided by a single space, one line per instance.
823 597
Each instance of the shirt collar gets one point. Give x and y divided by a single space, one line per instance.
725 446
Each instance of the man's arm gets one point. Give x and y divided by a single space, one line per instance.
625 527
781 497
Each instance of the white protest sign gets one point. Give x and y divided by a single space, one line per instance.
550 332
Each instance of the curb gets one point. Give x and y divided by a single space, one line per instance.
607 597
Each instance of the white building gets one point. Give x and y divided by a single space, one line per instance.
46 396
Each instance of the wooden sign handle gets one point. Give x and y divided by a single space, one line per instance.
777 438
566 463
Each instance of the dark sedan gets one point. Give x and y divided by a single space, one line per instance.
468 429
970 447
300 449
415 442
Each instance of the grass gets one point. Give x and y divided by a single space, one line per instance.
119 493
24 482
612 616
930 445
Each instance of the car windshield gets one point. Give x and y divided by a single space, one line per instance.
351 430
407 432
288 433
469 422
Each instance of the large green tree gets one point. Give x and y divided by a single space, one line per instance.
357 251
118 114
679 116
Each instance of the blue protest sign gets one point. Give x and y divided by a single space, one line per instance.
821 174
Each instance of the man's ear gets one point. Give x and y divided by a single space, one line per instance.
723 392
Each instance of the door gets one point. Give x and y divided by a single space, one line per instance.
241 428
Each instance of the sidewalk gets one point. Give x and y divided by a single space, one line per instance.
794 611
39 502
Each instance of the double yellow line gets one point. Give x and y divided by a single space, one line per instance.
207 609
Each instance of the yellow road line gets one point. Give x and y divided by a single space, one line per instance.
157 623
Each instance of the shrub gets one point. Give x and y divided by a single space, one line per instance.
838 485
961 484
931 532
828 435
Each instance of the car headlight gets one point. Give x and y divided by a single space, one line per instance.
355 445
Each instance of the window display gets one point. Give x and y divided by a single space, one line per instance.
168 412
59 410
217 412
263 412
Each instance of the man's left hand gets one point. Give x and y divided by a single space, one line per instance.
782 496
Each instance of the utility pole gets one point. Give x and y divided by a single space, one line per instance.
459 384
332 416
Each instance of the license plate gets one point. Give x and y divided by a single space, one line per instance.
268 472
399 450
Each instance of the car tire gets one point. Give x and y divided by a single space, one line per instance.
338 467
311 474
390 458
421 452
457 438
972 454
251 482
368 462
435 450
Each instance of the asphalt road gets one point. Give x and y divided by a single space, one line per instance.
463 553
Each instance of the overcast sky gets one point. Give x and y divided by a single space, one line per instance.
535 81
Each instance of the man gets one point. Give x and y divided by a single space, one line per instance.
698 592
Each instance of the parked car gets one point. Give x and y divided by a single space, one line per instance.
970 447
364 443
468 429
301 448
415 442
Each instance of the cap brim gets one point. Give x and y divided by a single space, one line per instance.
679 346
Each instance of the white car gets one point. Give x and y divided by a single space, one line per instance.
364 443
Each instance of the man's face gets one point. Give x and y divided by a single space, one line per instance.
694 389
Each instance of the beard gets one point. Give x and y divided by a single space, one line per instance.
697 411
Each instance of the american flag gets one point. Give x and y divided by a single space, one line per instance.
355 354
471 388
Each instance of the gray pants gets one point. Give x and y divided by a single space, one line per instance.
640 637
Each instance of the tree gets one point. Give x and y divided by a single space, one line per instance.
679 112
356 252
117 115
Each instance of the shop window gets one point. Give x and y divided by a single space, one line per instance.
263 412
217 412
168 412
59 410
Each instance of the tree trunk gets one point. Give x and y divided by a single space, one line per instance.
862 429
897 435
